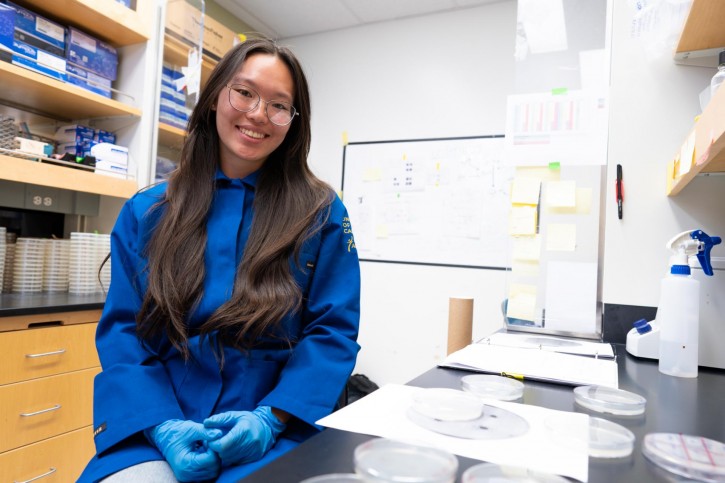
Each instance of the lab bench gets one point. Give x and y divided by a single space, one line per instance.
674 405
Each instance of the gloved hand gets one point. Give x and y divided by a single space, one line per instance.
250 434
184 445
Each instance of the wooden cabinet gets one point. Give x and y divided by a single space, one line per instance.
46 395
702 38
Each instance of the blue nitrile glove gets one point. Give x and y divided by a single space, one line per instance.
184 445
249 434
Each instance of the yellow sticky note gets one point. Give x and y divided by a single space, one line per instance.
525 191
525 268
527 248
561 237
344 138
561 194
521 302
522 220
583 204
381 231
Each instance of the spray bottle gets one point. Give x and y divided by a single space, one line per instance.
678 313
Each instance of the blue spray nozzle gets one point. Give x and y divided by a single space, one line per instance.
703 253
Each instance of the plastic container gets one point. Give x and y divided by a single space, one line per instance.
678 315
604 399
719 76
492 473
694 457
383 460
495 387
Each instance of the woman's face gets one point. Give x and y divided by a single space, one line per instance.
248 138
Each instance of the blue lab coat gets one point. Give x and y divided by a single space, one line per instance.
143 385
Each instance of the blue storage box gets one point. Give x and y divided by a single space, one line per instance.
7 26
38 31
88 80
91 54
38 60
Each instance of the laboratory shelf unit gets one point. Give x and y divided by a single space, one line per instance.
51 97
105 19
709 147
46 174
703 35
171 136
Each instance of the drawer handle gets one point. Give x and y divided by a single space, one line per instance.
53 353
54 408
52 470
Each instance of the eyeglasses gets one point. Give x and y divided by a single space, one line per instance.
245 99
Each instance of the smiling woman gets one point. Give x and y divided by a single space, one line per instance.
238 289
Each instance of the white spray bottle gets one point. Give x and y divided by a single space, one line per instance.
678 313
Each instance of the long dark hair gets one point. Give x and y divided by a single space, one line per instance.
288 206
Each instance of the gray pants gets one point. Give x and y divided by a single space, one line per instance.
148 472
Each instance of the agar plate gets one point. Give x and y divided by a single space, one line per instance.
608 439
493 423
690 456
492 473
609 400
386 460
495 387
447 404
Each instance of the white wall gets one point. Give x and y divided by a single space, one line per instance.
449 75
434 76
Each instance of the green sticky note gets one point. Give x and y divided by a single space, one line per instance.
559 91
555 165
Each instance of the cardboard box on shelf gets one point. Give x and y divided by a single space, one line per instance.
183 21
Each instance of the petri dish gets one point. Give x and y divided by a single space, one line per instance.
609 400
492 473
385 460
447 404
335 478
694 457
495 387
608 439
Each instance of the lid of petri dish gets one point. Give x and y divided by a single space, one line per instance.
382 459
492 473
335 478
608 439
447 404
609 400
495 387
690 456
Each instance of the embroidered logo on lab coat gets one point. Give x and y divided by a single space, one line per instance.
101 428
347 230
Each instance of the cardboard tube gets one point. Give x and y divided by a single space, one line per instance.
460 323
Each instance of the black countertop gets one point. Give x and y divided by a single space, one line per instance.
13 304
677 405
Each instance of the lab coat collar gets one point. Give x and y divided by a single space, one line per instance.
249 180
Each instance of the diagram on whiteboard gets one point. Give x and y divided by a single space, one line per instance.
438 201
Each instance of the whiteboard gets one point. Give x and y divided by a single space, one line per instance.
429 201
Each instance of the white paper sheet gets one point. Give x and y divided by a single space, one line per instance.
571 296
536 364
557 441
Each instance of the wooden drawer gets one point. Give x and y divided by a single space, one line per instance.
45 407
45 351
61 459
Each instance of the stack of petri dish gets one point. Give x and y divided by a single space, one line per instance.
28 265
83 268
3 244
55 267
7 285
103 248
